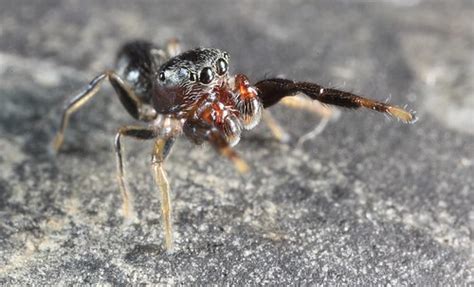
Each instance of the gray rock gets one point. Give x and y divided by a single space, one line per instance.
367 201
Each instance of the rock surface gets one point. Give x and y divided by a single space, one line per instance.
369 200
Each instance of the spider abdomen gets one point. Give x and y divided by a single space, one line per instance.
136 64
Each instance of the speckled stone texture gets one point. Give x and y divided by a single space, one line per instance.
368 201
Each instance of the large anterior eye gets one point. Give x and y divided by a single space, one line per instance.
206 75
221 67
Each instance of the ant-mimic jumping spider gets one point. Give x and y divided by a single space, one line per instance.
193 93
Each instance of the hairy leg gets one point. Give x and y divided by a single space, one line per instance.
161 150
271 91
130 101
135 132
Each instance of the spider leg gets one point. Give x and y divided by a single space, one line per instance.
140 133
199 131
161 150
278 132
314 133
128 98
173 47
220 143
300 103
272 91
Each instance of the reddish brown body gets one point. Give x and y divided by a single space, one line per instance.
196 88
194 94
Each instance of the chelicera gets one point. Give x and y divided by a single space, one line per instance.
193 93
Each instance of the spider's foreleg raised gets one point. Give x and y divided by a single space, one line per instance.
271 91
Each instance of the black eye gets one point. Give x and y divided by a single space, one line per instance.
162 76
221 67
206 76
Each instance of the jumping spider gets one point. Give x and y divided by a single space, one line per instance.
193 93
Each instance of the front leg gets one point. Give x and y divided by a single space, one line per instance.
135 132
271 91
161 151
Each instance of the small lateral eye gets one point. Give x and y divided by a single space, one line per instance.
221 67
206 75
192 76
162 76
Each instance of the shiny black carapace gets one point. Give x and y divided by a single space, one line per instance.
193 93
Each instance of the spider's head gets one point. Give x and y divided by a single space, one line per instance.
193 72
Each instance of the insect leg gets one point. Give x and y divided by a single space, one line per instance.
139 133
161 150
130 101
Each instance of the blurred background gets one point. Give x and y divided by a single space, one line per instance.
369 200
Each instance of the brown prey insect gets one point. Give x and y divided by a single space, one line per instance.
193 93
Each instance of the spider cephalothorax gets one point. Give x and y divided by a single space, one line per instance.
193 93
182 80
196 86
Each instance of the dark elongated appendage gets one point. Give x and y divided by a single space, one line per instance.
129 100
273 90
